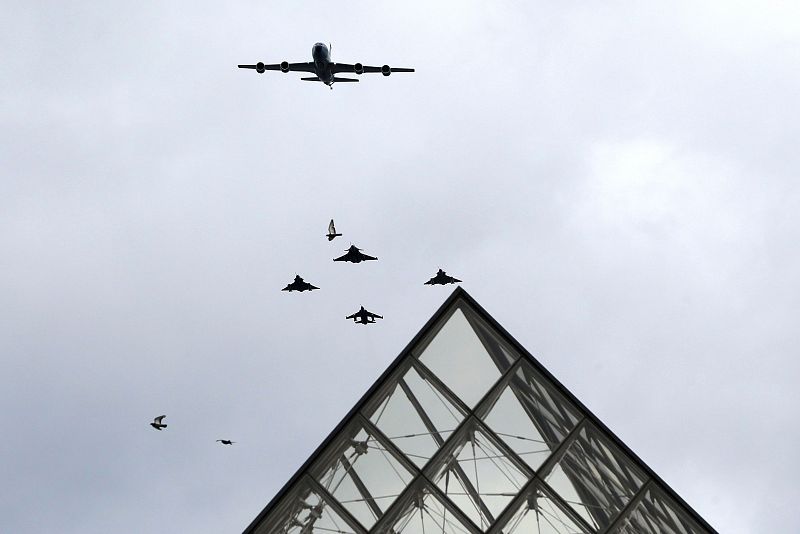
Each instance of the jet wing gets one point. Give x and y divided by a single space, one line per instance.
297 67
365 257
346 67
352 316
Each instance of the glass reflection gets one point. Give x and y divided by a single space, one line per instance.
595 478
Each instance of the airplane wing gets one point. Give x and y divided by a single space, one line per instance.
365 257
347 67
344 257
297 67
352 316
331 228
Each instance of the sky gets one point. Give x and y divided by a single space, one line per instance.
616 183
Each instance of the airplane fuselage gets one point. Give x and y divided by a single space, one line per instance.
322 63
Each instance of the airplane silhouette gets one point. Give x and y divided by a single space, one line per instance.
157 424
324 69
364 317
441 278
332 231
354 255
299 285
226 441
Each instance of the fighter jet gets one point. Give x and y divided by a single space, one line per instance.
299 285
364 317
157 424
332 231
323 68
354 255
441 278
226 441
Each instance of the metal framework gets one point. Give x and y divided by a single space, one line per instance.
467 433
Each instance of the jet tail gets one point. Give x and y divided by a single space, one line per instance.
344 79
314 79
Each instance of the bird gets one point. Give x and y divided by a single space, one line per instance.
332 231
157 424
226 441
441 278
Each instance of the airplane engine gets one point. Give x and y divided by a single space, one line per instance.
260 68
284 66
386 70
358 68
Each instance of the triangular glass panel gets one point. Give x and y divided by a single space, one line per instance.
657 514
415 414
458 357
595 478
466 433
477 473
529 415
536 512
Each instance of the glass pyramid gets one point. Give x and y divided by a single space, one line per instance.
467 433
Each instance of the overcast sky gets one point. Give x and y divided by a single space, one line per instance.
616 184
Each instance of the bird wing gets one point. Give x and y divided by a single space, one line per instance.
331 228
158 419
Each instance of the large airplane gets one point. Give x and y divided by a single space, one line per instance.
323 68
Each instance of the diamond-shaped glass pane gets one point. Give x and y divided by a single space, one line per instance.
362 474
538 513
477 475
416 416
595 478
657 514
460 359
304 511
530 416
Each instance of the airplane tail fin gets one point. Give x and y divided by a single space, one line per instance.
344 79
314 79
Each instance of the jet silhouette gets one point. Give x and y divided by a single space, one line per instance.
299 285
441 278
157 424
364 317
332 231
226 441
354 255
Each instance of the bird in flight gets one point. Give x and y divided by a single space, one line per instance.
323 68
441 278
332 231
364 317
226 441
299 285
354 255
157 424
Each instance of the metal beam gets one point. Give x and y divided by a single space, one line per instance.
362 489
